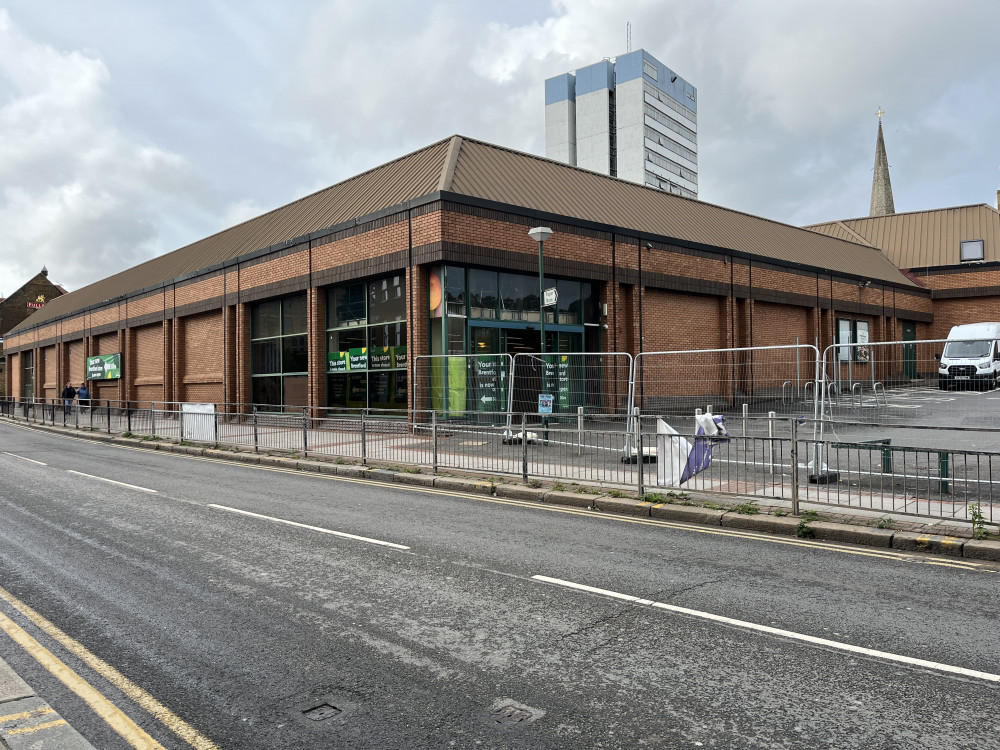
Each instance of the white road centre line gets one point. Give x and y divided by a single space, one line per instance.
320 529
14 455
989 677
112 481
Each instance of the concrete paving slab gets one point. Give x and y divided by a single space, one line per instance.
32 724
575 499
424 480
842 532
761 522
917 542
520 492
687 514
982 549
464 485
623 505
12 687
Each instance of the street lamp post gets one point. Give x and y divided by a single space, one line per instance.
539 235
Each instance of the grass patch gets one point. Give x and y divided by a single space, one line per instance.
617 493
809 515
747 509
559 487
711 506
779 512
653 497
884 523
533 483
804 530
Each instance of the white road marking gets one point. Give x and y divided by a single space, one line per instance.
343 534
989 677
112 481
25 459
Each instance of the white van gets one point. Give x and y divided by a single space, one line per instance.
971 357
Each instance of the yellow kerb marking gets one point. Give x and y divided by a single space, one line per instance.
128 729
29 730
27 714
169 719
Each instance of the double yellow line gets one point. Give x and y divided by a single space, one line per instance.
131 732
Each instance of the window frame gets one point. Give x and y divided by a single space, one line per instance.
971 243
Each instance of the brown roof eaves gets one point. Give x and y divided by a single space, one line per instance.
440 165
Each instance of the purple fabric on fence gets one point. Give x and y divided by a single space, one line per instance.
700 457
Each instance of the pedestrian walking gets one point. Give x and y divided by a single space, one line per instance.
68 394
83 395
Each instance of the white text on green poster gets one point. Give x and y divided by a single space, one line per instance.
104 367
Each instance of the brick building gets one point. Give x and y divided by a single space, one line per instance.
954 252
27 300
329 300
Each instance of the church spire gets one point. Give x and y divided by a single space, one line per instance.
881 187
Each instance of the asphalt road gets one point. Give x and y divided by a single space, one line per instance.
226 628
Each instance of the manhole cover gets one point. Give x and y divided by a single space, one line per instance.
321 712
508 715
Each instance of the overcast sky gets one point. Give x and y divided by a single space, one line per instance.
129 129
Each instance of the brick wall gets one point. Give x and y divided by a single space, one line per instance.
190 340
202 358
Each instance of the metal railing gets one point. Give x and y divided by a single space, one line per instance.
898 469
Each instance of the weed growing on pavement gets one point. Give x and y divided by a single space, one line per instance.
809 515
533 483
687 503
978 522
579 490
884 523
804 530
339 461
779 512
653 497
711 506
559 487
127 435
411 470
617 493
747 509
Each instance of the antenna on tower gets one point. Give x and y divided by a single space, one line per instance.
628 36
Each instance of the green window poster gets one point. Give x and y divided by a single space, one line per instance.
399 356
337 362
358 358
380 358
562 374
104 367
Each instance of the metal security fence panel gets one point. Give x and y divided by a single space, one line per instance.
939 382
738 382
465 386
560 384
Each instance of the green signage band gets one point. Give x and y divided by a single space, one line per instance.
104 367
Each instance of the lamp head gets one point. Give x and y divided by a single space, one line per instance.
540 234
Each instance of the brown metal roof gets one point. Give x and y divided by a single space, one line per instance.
923 239
482 170
499 174
401 180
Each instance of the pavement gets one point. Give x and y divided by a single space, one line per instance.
29 723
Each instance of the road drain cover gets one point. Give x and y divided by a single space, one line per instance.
510 715
321 712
